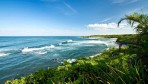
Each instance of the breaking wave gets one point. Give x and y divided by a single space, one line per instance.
25 50
65 42
4 54
71 60
41 52
109 43
93 42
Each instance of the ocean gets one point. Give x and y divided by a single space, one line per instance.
20 56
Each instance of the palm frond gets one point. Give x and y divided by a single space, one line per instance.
122 19
141 19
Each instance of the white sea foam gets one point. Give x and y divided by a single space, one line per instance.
69 40
113 39
112 43
94 38
4 54
98 41
95 55
41 53
29 49
37 49
48 47
65 42
109 43
107 48
93 42
71 60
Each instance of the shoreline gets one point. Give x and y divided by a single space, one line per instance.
99 53
104 65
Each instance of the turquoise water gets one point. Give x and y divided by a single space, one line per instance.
20 56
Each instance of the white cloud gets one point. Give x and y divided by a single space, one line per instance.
104 26
111 28
108 26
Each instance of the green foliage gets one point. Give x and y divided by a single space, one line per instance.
141 19
141 42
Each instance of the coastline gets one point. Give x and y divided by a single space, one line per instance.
99 53
105 65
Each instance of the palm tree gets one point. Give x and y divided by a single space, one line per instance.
140 19
140 24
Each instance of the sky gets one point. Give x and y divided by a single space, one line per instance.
66 17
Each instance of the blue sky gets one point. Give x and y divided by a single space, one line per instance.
66 17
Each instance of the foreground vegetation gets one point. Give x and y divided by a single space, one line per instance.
114 66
